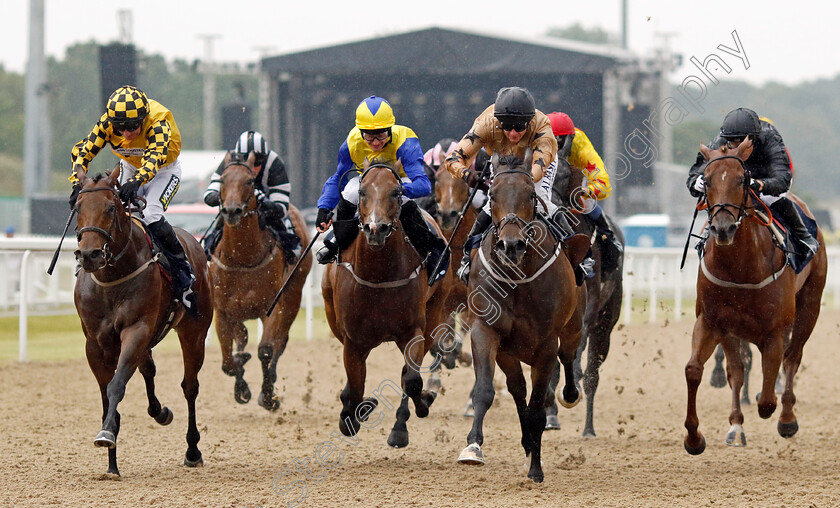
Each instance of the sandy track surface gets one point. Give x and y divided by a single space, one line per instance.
51 413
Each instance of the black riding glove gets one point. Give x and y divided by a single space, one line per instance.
75 194
128 190
756 185
323 216
213 199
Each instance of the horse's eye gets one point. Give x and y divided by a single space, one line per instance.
111 209
251 181
395 194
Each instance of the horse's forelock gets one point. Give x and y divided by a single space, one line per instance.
510 161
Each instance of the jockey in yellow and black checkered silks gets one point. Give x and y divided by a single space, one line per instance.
158 143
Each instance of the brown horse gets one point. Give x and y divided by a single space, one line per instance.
451 195
126 307
524 297
604 293
746 291
378 293
248 269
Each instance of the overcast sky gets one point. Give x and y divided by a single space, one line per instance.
784 42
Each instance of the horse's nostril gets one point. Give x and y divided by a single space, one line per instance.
520 245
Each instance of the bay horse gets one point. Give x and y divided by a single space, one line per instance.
248 269
604 294
377 293
523 294
746 291
126 306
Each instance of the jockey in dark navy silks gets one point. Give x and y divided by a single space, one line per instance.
769 166
377 138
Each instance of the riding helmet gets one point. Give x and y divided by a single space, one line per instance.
740 123
127 103
374 113
561 124
514 102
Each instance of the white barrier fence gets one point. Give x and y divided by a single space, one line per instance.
653 283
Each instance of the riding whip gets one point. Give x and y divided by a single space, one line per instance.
300 259
690 229
460 218
58 250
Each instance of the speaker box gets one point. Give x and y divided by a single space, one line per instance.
117 67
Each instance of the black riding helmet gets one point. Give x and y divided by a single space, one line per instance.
740 123
514 103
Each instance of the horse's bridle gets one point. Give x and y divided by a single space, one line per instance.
718 207
392 226
110 260
249 211
512 217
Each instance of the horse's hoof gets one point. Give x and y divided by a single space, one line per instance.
588 433
552 422
736 436
164 417
568 404
472 456
537 476
465 359
105 439
718 379
469 409
342 426
194 463
241 392
271 403
788 429
371 403
398 438
695 450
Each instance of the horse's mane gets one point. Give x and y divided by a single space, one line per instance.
510 160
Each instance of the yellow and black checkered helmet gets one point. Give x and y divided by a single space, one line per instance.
127 103
374 113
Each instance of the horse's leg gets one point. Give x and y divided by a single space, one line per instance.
567 353
273 343
535 412
229 332
807 312
519 391
161 414
718 379
746 357
132 342
733 348
551 420
703 341
412 384
192 351
772 350
353 394
103 372
485 344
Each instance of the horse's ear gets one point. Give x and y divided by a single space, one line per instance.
115 174
706 151
745 149
228 157
366 164
529 157
81 175
252 158
398 166
494 160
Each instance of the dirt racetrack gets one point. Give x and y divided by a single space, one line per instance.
51 413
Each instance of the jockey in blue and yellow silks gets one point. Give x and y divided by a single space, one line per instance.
377 138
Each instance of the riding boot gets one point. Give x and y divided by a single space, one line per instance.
482 222
611 248
181 271
804 245
211 241
289 242
430 246
345 230
560 225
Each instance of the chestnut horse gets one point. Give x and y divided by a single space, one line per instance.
746 291
523 294
377 293
248 269
126 307
604 293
